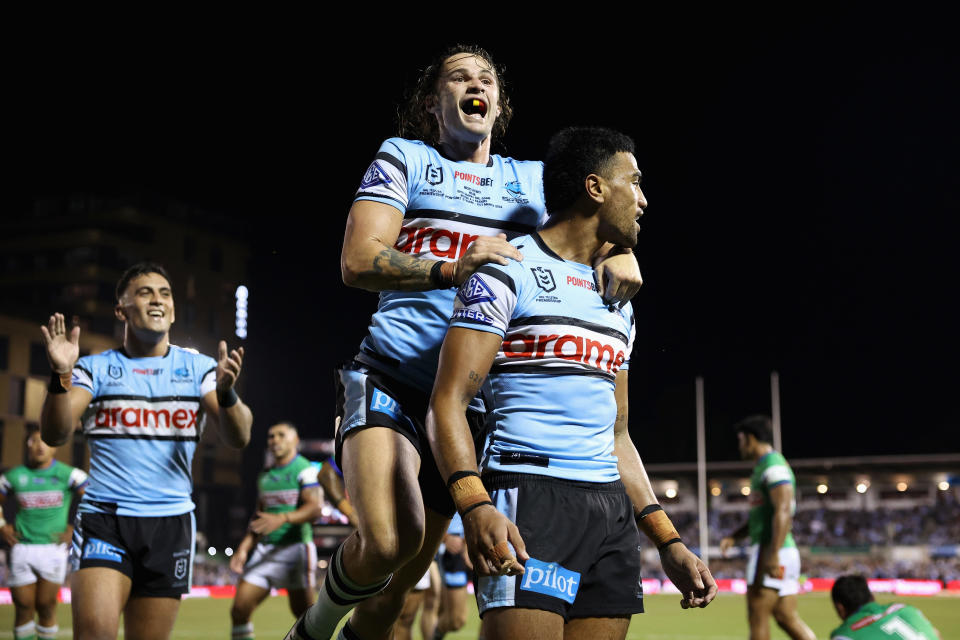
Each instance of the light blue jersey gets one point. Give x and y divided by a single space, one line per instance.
551 385
445 205
143 426
456 526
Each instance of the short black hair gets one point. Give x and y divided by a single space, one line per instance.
139 269
852 592
287 424
758 426
572 155
32 428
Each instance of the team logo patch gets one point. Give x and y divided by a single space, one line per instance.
433 174
114 371
180 568
550 579
382 403
544 278
475 291
374 176
96 549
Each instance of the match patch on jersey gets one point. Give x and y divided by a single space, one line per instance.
375 175
777 474
96 549
382 403
475 291
550 579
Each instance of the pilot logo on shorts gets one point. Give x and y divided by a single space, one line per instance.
180 568
550 579
114 371
475 291
433 175
383 403
96 549
544 278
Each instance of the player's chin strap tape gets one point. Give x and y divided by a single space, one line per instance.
60 382
467 491
655 524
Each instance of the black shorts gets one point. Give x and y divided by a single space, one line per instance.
369 398
583 543
155 553
454 570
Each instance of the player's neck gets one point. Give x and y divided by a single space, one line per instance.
762 450
465 150
139 347
573 237
41 467
285 461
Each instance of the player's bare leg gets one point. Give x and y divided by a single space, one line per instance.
98 596
596 628
453 609
46 604
300 600
403 629
373 618
530 624
24 603
785 613
150 618
248 597
380 471
760 604
431 604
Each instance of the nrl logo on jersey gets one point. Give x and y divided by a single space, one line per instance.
114 371
544 278
433 174
374 176
475 291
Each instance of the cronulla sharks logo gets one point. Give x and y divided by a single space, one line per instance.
475 291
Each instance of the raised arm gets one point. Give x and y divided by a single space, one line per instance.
223 405
370 261
465 360
685 570
65 403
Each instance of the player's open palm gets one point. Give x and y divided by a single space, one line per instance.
483 250
63 349
228 366
688 574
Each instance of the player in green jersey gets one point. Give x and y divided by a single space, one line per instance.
38 539
773 568
865 619
280 535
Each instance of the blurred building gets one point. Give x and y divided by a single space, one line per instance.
66 254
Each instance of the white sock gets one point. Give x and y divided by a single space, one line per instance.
241 631
25 631
337 597
47 633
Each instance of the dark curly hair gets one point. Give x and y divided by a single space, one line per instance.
758 426
139 269
415 123
572 155
852 592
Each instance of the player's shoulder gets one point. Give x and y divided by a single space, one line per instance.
526 165
92 361
188 355
404 148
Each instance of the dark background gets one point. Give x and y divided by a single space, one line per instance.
800 168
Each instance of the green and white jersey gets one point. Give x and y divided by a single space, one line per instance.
770 471
875 621
43 498
280 489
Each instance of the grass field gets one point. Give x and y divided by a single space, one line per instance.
724 619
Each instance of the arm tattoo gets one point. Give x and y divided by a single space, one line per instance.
473 388
396 270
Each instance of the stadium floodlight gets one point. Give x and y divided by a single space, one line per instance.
822 488
322 563
715 490
228 552
212 551
745 490
943 486
862 487
241 316
901 486
670 493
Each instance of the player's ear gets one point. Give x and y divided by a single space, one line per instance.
119 314
430 103
594 188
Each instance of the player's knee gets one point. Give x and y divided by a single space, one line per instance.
47 610
388 550
240 613
784 619
457 620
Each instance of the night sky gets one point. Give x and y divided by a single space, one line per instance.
801 173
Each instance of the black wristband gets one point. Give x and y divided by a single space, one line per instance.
668 543
474 506
228 398
436 275
456 475
647 510
55 385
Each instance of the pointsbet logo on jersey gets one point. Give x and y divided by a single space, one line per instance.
550 579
